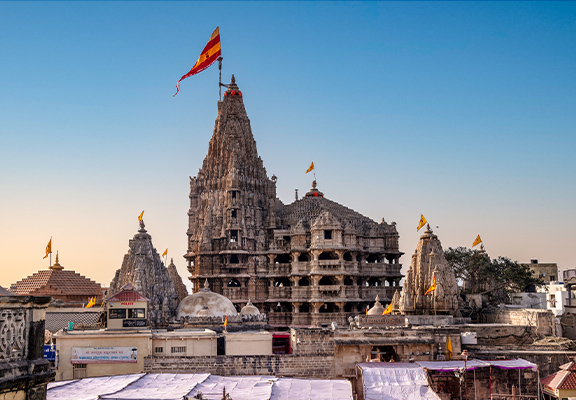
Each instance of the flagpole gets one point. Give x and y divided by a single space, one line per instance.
220 77
50 259
434 294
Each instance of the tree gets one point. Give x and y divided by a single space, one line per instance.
496 278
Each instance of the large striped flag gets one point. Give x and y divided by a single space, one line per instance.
210 54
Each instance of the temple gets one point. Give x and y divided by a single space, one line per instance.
308 263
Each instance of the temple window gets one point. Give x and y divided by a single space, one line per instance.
327 234
233 235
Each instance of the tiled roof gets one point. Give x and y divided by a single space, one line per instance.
571 366
59 320
64 282
562 379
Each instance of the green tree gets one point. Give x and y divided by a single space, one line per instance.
496 278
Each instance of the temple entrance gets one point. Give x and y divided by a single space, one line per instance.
384 354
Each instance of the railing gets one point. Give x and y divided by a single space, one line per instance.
301 319
279 269
301 292
370 292
235 293
275 292
300 267
327 291
280 318
327 318
351 292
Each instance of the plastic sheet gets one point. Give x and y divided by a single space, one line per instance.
89 388
159 387
311 389
239 387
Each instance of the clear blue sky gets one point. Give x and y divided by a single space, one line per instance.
462 111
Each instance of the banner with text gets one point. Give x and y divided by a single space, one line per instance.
104 355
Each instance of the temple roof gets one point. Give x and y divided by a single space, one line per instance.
57 281
5 292
307 209
563 379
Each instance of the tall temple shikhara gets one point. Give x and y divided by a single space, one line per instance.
307 263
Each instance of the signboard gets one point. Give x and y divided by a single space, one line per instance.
104 355
382 321
49 352
133 323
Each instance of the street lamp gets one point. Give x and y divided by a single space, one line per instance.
465 354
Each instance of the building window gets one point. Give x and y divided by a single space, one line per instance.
158 349
136 313
79 371
233 235
117 313
552 277
178 349
233 194
233 213
327 235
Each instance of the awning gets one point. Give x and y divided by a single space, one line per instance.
239 387
89 388
311 389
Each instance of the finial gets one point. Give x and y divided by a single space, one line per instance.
171 260
428 230
206 286
249 303
142 230
377 298
314 184
56 264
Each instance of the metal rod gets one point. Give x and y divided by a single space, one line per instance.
220 77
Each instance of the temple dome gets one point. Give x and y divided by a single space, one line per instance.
378 308
249 309
205 303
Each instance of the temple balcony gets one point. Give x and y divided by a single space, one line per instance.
235 293
302 319
318 319
369 293
351 292
279 269
276 292
301 292
279 318
327 291
301 267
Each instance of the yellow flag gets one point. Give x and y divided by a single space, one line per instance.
48 248
477 241
165 252
140 216
422 222
91 302
311 167
226 322
388 309
449 348
432 288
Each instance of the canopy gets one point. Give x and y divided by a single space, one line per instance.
185 386
474 364
311 389
89 388
391 381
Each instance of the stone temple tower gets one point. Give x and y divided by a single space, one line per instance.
232 204
308 263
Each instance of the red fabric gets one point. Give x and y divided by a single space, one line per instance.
199 67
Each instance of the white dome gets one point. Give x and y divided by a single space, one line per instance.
205 303
249 309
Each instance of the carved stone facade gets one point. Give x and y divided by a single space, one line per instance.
24 373
429 266
311 262
143 268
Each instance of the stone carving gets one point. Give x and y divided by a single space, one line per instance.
307 263
177 280
428 262
12 334
143 268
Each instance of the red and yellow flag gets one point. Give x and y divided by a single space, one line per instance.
91 302
140 216
210 54
48 248
311 167
388 309
477 241
226 323
421 223
432 288
165 252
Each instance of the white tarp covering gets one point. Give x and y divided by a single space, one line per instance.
238 387
184 386
89 388
395 381
451 365
159 387
311 389
512 364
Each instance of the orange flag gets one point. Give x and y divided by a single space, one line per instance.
311 167
388 309
226 323
432 288
210 54
165 252
477 241
140 216
48 248
421 223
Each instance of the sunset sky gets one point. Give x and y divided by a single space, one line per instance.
462 111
